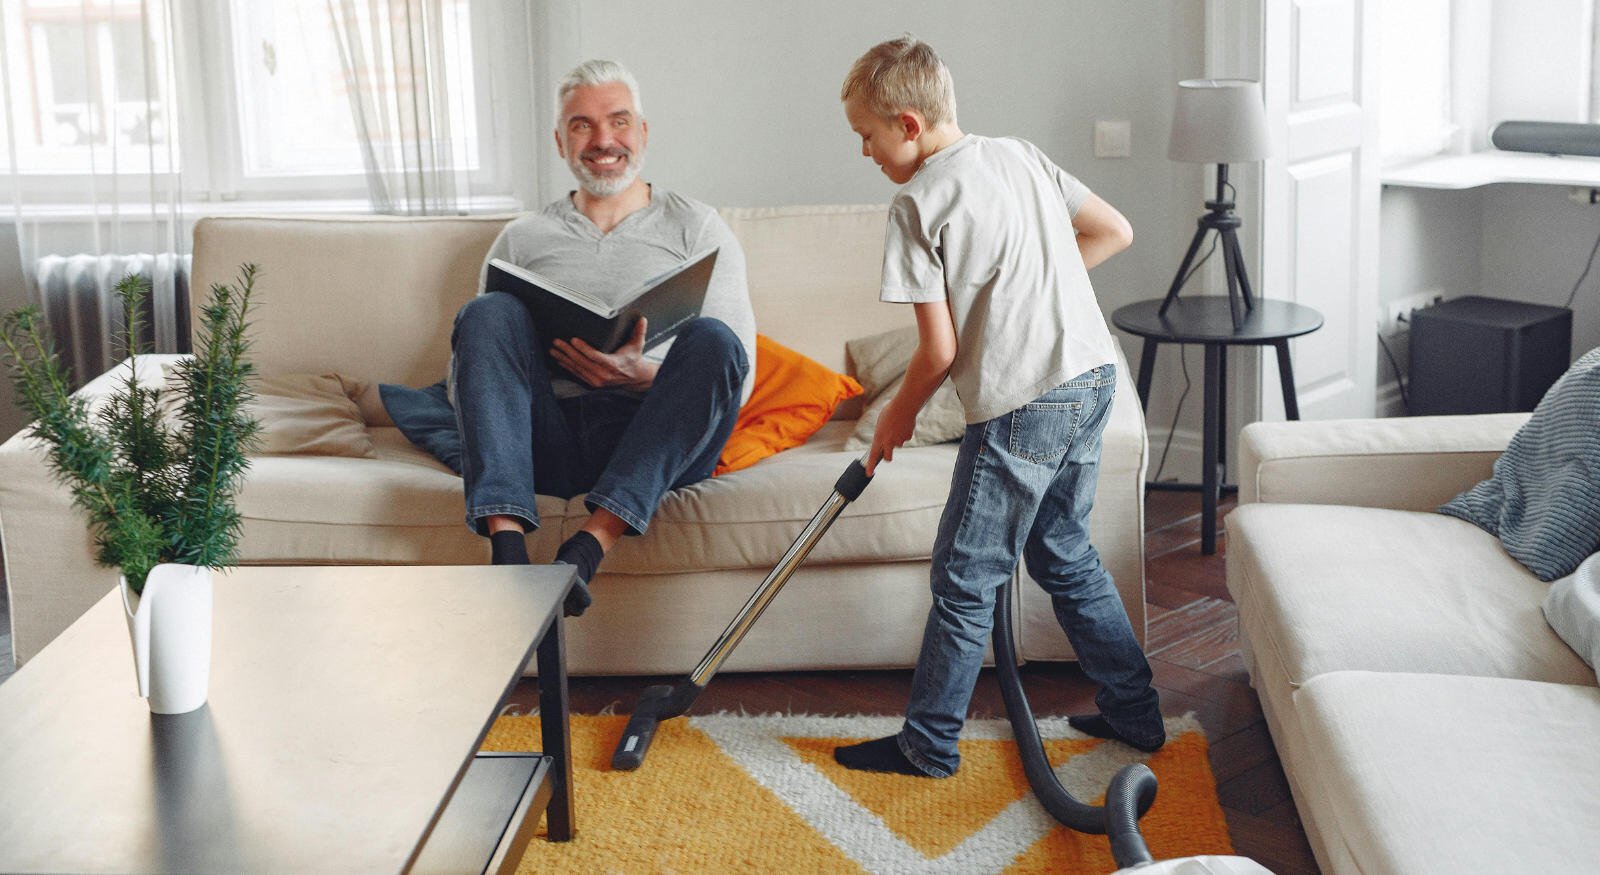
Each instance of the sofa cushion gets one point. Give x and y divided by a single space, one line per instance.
1544 498
402 507
1573 609
793 397
880 363
309 414
1431 773
750 517
1324 588
426 418
401 486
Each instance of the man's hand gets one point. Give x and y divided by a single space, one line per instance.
624 369
895 426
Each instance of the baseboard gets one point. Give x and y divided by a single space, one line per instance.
1183 458
1389 401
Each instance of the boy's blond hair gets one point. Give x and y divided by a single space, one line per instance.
901 74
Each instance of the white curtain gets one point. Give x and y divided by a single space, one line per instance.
397 57
88 125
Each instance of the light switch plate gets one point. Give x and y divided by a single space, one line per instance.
1113 139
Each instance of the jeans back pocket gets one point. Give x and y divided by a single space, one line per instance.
1043 431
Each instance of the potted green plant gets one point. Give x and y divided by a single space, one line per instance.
156 469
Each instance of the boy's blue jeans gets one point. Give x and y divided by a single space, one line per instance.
1023 486
626 450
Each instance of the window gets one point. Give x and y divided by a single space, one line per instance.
254 92
294 100
82 94
1414 114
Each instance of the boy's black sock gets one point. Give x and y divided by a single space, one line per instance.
508 548
583 552
878 755
1097 726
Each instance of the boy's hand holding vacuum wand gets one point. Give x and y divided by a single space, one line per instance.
936 349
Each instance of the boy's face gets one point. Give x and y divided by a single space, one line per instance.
890 143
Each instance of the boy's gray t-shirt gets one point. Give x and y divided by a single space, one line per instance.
561 242
986 223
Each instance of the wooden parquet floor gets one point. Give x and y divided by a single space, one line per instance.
1193 647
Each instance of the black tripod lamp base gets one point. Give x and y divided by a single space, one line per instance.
1222 220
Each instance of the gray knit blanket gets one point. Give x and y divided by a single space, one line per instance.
1543 500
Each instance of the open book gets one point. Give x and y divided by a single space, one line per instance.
668 301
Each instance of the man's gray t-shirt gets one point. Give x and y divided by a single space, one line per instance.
986 223
561 242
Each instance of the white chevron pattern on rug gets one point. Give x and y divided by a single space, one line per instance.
756 744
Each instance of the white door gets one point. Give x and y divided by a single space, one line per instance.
1320 188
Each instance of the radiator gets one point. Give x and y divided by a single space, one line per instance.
79 297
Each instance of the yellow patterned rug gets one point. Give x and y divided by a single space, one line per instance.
735 793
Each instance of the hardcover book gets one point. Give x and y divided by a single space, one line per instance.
667 301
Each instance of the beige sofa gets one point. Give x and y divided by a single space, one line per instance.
1427 717
373 299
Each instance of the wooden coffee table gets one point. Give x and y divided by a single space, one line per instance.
346 709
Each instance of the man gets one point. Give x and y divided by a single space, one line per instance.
625 427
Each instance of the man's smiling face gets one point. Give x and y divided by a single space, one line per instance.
602 137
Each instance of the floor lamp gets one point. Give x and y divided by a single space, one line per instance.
1221 122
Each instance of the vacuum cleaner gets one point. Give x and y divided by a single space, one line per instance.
1129 796
665 701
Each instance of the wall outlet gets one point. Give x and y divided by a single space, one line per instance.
1396 315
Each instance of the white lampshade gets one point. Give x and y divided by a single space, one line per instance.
1218 121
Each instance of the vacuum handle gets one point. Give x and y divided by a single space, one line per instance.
854 479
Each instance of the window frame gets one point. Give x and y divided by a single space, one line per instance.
210 130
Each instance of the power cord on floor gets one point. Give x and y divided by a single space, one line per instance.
1399 378
1183 361
1173 429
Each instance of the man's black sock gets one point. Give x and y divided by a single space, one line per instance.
1097 726
878 755
508 548
583 552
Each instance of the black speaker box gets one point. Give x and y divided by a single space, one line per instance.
1486 355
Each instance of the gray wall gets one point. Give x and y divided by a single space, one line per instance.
742 100
1430 242
1535 243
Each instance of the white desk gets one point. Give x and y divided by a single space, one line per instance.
1489 168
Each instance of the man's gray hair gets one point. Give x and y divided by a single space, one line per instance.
596 72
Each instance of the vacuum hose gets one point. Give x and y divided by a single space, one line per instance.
1132 789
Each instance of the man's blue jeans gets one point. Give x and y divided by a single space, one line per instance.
1023 486
626 450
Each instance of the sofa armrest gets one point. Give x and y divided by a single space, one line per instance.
1407 463
51 572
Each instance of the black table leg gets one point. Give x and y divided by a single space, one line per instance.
1291 406
1222 417
1147 368
1209 484
553 727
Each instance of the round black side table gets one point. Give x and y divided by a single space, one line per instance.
1208 320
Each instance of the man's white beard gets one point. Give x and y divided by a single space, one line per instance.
606 186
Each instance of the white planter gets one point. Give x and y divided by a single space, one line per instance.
170 625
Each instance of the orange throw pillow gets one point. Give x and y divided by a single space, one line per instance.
793 397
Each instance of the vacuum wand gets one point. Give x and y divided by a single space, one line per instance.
665 701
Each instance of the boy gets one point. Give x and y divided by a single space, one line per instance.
991 242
